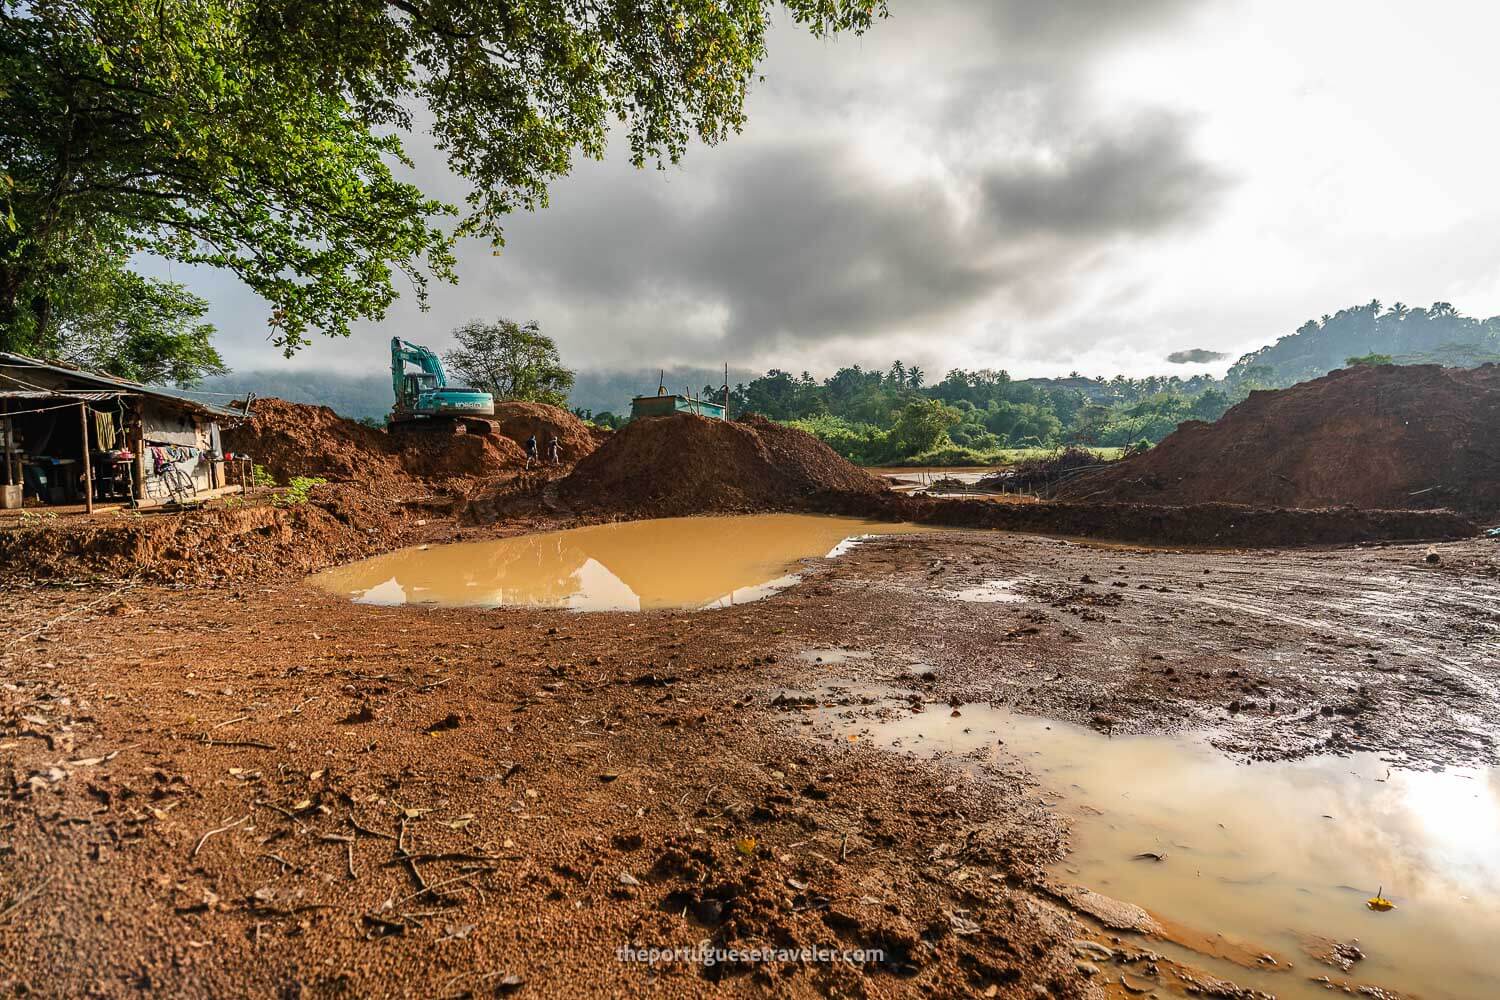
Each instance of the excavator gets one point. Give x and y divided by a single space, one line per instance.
424 399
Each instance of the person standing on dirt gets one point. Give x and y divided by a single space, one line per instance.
531 451
554 450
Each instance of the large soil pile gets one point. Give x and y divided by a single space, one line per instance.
686 464
518 421
294 439
219 545
1381 437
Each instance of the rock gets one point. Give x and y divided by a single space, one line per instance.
1084 948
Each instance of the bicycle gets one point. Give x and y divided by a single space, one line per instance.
177 485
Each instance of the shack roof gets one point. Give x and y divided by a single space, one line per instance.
14 366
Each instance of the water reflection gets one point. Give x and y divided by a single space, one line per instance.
686 562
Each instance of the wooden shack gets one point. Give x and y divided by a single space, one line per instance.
70 436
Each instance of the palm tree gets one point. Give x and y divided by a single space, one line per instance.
915 377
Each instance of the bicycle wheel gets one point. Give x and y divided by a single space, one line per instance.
180 485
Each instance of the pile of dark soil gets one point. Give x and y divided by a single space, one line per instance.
687 464
517 421
1212 524
1381 437
1041 472
295 439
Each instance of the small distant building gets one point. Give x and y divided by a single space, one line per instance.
664 403
70 436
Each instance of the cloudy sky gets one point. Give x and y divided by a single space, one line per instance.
1039 185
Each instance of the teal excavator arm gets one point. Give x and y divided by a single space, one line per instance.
402 353
425 396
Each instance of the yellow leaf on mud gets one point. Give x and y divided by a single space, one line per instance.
1379 904
745 845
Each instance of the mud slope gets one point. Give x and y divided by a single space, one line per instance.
294 439
225 545
686 464
1225 525
1383 437
518 420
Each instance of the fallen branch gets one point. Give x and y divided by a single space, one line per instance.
227 826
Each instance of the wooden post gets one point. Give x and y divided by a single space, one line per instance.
138 445
88 465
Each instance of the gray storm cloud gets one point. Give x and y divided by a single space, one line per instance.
793 235
807 242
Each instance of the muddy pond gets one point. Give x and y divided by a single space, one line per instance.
1258 867
683 562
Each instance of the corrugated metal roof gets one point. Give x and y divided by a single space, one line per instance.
21 362
80 396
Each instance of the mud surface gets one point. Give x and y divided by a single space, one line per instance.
1377 436
1206 524
269 791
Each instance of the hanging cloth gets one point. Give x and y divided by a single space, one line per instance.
104 430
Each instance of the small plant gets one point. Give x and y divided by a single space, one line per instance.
33 517
260 478
298 491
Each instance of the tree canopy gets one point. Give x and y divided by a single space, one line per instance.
510 361
264 136
1437 334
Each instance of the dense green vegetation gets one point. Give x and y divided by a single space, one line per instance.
1439 334
972 417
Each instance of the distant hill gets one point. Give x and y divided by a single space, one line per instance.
360 396
1439 335
352 396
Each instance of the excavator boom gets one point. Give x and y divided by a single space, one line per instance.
425 396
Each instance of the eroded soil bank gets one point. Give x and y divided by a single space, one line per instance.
266 790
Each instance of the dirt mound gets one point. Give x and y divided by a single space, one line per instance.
1375 436
1224 525
295 439
518 421
1041 472
221 545
687 464
449 456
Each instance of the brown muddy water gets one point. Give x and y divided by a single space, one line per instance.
681 562
1262 859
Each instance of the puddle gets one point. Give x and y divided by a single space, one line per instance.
1265 854
991 592
684 562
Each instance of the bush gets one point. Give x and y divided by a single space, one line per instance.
297 491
